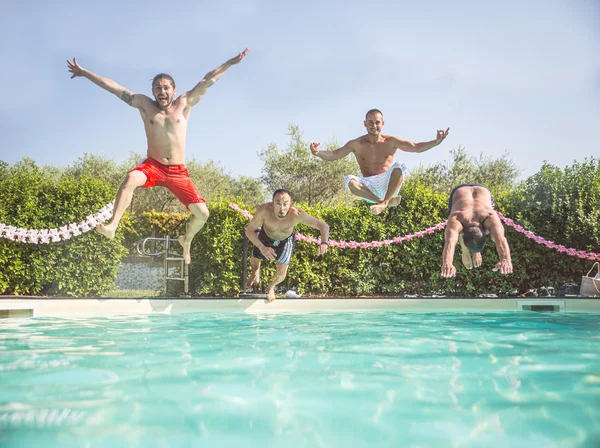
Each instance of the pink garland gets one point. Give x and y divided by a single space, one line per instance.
549 244
354 244
401 239
45 236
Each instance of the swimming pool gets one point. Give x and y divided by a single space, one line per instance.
330 379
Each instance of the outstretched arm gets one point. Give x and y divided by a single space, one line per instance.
453 228
196 94
408 146
134 100
494 225
331 155
315 223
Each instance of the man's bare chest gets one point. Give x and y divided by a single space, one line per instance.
375 152
278 229
171 123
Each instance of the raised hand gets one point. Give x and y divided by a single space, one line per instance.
441 135
237 59
74 68
314 148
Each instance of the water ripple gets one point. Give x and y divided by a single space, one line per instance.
313 379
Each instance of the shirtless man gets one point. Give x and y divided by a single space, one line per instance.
165 121
472 216
275 223
374 152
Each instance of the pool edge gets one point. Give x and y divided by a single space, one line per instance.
15 306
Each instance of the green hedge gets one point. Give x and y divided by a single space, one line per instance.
37 198
562 205
409 268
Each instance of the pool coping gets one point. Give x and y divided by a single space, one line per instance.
28 306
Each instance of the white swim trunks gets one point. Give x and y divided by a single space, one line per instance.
378 184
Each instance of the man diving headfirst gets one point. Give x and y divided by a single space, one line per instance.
472 216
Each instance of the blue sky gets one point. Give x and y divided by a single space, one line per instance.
510 75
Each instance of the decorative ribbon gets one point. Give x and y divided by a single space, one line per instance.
355 244
549 244
400 239
46 236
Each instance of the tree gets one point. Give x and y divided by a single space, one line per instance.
309 179
249 190
562 204
497 174
99 167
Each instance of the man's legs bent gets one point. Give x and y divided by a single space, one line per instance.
199 216
254 272
133 180
358 189
389 200
280 273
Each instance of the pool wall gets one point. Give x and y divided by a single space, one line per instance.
14 306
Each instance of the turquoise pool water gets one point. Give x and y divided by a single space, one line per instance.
359 379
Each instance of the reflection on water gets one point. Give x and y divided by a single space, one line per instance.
314 379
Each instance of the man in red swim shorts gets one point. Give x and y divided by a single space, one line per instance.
165 121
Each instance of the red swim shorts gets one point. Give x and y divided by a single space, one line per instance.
174 177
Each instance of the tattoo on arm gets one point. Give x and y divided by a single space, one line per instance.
127 97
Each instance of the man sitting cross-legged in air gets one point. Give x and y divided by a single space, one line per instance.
374 151
272 231
472 216
165 121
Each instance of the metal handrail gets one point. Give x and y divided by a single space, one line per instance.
141 249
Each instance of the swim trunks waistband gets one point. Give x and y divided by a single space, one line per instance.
468 185
156 162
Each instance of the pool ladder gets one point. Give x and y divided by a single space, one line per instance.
167 257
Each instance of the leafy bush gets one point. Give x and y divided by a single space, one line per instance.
38 198
410 268
562 205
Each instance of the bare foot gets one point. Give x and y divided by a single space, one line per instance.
186 249
466 258
378 208
477 260
107 231
251 282
395 201
271 295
